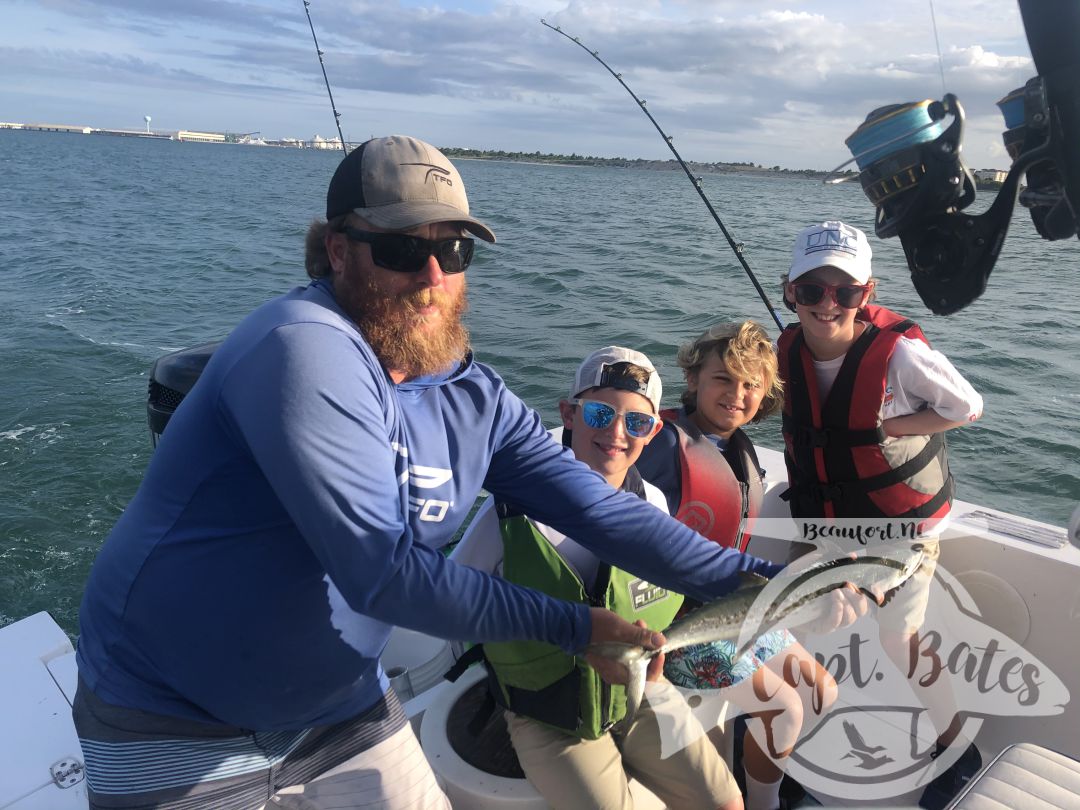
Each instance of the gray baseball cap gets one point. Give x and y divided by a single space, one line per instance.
399 183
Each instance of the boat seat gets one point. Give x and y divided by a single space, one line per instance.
485 745
477 767
1024 775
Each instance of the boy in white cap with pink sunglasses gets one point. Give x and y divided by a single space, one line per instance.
864 391
866 406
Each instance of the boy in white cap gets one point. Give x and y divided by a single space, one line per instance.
860 377
559 712
866 406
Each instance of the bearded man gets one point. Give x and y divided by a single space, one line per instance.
294 510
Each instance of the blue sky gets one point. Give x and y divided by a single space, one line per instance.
775 83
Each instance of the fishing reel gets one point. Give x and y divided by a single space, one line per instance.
911 169
909 162
1030 139
919 185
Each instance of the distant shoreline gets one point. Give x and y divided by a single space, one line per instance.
457 153
573 161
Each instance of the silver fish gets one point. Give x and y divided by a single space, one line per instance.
801 600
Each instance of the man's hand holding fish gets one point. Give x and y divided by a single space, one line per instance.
614 671
609 628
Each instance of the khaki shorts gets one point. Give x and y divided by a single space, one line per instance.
575 774
905 611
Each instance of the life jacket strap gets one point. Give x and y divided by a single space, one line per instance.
803 435
838 491
473 655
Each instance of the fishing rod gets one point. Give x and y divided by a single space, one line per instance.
337 115
737 247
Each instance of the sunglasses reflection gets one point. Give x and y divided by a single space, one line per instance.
600 415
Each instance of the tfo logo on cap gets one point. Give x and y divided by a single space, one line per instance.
436 174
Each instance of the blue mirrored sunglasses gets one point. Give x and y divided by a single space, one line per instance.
600 415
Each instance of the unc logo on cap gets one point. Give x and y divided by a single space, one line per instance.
832 244
832 239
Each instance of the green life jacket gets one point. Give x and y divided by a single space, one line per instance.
539 680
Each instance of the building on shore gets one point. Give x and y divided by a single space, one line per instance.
192 136
200 137
990 175
319 142
48 128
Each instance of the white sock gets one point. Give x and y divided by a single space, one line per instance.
762 795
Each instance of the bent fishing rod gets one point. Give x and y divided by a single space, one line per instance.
737 247
337 115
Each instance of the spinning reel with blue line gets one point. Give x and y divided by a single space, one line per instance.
1027 117
911 168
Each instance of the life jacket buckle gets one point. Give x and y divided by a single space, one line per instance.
807 436
820 493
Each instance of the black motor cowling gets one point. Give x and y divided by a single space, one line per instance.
171 378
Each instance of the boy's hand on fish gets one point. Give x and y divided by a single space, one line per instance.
818 605
608 627
848 605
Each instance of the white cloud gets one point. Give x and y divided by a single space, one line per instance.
731 80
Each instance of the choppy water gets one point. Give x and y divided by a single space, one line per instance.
114 251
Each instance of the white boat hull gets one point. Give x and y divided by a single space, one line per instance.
1026 590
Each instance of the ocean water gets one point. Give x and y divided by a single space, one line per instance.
115 251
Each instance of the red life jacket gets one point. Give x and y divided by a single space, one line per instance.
839 464
721 492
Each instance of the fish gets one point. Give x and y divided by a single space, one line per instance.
800 600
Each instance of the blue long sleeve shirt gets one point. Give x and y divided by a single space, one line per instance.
293 512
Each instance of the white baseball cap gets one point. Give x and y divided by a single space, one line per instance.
595 372
831 244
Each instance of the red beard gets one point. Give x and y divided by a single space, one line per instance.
402 339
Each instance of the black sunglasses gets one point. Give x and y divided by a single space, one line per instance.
848 296
409 254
